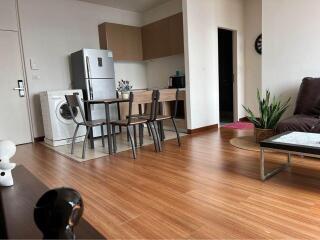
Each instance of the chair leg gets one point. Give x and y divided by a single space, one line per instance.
159 129
175 128
114 137
135 136
155 140
149 130
162 131
132 142
128 137
141 128
85 143
74 138
158 137
102 136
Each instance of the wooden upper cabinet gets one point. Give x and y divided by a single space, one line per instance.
155 39
163 38
176 34
124 41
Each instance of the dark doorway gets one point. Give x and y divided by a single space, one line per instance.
225 38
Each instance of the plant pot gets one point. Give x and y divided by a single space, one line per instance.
125 95
261 134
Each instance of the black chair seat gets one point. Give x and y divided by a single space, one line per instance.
159 117
134 121
94 123
73 101
163 117
139 116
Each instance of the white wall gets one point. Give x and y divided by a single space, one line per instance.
253 60
201 22
167 9
159 70
8 15
135 72
291 36
53 29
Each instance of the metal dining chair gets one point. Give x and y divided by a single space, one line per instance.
144 111
146 97
73 101
162 96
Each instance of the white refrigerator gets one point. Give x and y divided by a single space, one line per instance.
93 72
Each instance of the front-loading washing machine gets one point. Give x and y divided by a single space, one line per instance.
58 124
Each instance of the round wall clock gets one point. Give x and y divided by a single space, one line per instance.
258 44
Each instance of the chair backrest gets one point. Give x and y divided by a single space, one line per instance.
167 95
73 101
142 97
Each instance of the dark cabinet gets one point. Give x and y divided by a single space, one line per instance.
163 38
124 41
159 39
176 34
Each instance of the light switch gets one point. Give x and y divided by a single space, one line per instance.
34 65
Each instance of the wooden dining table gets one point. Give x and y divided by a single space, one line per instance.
107 103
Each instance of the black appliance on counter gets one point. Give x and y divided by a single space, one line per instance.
177 82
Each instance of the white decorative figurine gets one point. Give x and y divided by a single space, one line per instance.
7 151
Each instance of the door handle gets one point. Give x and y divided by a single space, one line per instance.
20 88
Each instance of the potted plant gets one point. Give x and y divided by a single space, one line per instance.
270 113
124 88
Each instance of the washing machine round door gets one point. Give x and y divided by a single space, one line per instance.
64 115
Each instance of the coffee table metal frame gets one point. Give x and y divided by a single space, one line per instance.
289 149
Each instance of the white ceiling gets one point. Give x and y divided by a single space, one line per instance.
131 5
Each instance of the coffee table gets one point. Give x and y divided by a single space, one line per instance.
291 143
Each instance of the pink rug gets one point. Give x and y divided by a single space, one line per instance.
239 125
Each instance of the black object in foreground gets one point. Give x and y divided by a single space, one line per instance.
57 212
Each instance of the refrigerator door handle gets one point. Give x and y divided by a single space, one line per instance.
88 67
89 79
90 89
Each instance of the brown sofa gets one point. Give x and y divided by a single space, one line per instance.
306 116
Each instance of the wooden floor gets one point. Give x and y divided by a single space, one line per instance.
205 190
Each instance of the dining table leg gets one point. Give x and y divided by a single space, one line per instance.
160 124
91 130
108 128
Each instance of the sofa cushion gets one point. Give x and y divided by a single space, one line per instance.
316 109
299 123
308 96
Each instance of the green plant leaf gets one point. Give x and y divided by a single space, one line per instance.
271 110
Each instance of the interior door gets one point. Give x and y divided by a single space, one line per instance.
225 75
14 120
